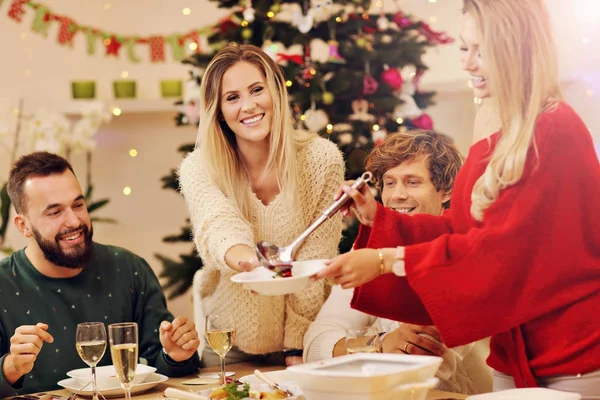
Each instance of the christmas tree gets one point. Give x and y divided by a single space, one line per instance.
352 73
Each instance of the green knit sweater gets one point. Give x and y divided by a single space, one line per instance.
115 286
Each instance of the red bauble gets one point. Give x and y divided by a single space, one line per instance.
424 121
392 77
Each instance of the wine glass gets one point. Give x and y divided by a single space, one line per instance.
90 342
123 339
220 335
364 339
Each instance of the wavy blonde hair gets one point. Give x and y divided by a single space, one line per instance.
217 142
520 56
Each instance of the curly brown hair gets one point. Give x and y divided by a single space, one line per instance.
443 157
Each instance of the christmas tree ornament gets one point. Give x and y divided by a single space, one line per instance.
249 12
370 85
378 135
400 20
327 98
386 39
303 22
247 33
275 8
315 120
360 111
345 138
322 10
383 23
392 77
408 109
423 121
334 54
270 48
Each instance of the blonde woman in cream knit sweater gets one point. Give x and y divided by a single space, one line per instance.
253 177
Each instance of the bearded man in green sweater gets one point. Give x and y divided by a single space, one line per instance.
63 278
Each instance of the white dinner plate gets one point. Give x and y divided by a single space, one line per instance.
263 281
77 387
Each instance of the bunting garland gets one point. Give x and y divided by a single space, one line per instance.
112 43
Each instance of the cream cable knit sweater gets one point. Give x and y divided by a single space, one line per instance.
264 324
463 370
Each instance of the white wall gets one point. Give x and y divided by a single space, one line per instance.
151 212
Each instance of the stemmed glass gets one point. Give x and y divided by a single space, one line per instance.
90 342
364 339
220 335
123 339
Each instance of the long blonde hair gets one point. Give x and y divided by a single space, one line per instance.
217 142
520 56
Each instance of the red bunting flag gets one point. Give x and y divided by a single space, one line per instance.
68 29
16 10
112 46
157 48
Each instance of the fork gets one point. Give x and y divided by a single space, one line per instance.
272 384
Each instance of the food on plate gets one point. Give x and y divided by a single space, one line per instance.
233 392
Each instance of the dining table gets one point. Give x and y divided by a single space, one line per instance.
240 369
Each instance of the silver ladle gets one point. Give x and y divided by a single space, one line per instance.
280 259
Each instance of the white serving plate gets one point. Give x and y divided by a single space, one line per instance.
527 394
78 387
364 373
106 377
262 281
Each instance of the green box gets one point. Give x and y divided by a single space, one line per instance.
170 88
83 89
124 89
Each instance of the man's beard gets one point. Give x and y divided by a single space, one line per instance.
78 257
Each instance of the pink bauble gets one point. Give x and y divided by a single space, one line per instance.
424 121
370 85
392 77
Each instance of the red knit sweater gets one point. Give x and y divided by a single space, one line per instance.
528 275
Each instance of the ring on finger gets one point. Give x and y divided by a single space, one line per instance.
406 348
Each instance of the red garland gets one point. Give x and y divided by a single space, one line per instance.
16 10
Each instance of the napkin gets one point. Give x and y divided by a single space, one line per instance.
183 394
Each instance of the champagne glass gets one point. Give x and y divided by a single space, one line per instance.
220 335
123 339
364 339
90 342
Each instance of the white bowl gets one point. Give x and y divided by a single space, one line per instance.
527 394
106 377
263 281
79 387
364 374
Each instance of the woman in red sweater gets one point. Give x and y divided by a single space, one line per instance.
517 256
